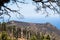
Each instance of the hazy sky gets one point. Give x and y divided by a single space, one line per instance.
30 15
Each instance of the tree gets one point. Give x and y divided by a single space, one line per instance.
42 37
3 26
48 37
15 32
0 27
6 10
38 36
33 37
4 36
48 4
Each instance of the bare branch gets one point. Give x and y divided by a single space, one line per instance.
54 8
14 11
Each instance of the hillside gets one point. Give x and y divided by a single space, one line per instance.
45 28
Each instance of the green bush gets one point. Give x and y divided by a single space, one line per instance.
33 37
4 36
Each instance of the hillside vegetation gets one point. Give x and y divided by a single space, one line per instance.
15 30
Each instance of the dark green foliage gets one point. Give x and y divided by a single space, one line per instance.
48 37
0 27
9 29
15 32
4 36
3 26
33 37
41 37
18 32
38 36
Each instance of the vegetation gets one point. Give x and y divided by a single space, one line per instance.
7 31
33 37
4 36
14 32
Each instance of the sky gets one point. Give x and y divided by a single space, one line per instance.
30 15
